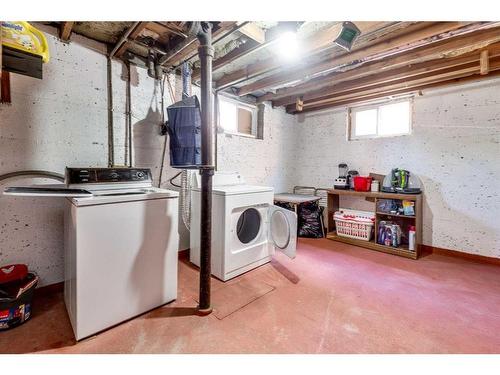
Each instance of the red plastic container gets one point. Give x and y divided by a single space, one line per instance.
362 183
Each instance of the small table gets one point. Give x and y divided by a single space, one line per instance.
295 199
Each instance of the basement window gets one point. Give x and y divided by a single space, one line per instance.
237 118
380 120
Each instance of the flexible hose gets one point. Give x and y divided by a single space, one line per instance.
33 173
185 198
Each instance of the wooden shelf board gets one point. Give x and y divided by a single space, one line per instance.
395 215
379 194
401 251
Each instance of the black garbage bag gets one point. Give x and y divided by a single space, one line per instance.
286 205
310 220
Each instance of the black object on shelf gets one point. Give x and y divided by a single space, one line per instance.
21 62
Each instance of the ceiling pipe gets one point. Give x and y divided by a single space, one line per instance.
111 142
123 39
180 47
218 39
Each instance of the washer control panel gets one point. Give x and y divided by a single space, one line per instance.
85 176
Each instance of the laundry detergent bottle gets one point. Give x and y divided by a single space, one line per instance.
20 35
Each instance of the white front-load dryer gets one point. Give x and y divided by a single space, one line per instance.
246 226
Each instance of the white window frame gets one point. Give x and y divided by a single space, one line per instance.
351 122
246 106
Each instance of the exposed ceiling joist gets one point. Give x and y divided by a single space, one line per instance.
405 42
171 27
382 89
407 61
133 33
254 32
189 48
251 46
237 53
388 94
311 45
388 82
405 72
65 30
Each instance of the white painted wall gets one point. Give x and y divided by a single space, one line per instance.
62 120
267 161
58 121
454 148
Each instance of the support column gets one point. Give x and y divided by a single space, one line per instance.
206 54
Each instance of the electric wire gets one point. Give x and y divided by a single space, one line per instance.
33 173
164 151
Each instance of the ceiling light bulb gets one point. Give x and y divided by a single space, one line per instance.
287 46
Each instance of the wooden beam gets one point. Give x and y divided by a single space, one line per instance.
383 89
189 48
5 88
1 50
405 42
133 35
370 98
237 53
418 80
311 45
65 30
484 60
254 32
392 70
460 44
251 46
170 27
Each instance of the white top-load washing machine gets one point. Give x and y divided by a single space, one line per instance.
246 227
120 245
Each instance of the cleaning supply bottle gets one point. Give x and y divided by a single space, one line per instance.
22 36
411 238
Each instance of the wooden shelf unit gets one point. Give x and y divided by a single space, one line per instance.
334 205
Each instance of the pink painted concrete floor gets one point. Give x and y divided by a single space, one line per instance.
333 298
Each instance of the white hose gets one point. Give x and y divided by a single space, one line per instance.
185 198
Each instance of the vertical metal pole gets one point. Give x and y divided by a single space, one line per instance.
206 54
111 141
128 115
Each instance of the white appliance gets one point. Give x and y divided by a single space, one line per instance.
246 227
120 244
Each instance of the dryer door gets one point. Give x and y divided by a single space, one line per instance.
283 230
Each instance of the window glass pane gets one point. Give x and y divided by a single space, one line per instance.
244 121
228 116
394 118
365 122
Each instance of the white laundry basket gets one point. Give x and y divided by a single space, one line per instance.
354 224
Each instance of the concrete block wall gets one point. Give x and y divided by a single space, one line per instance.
454 148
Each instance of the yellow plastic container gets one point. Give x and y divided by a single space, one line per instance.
22 36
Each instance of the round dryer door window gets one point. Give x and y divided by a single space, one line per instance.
248 225
280 229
